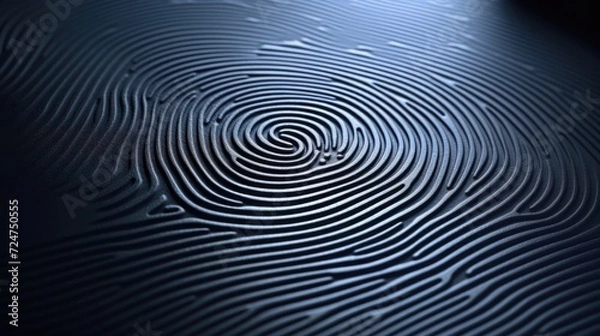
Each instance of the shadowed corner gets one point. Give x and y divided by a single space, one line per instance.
579 18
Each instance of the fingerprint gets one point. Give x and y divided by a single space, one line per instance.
311 168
